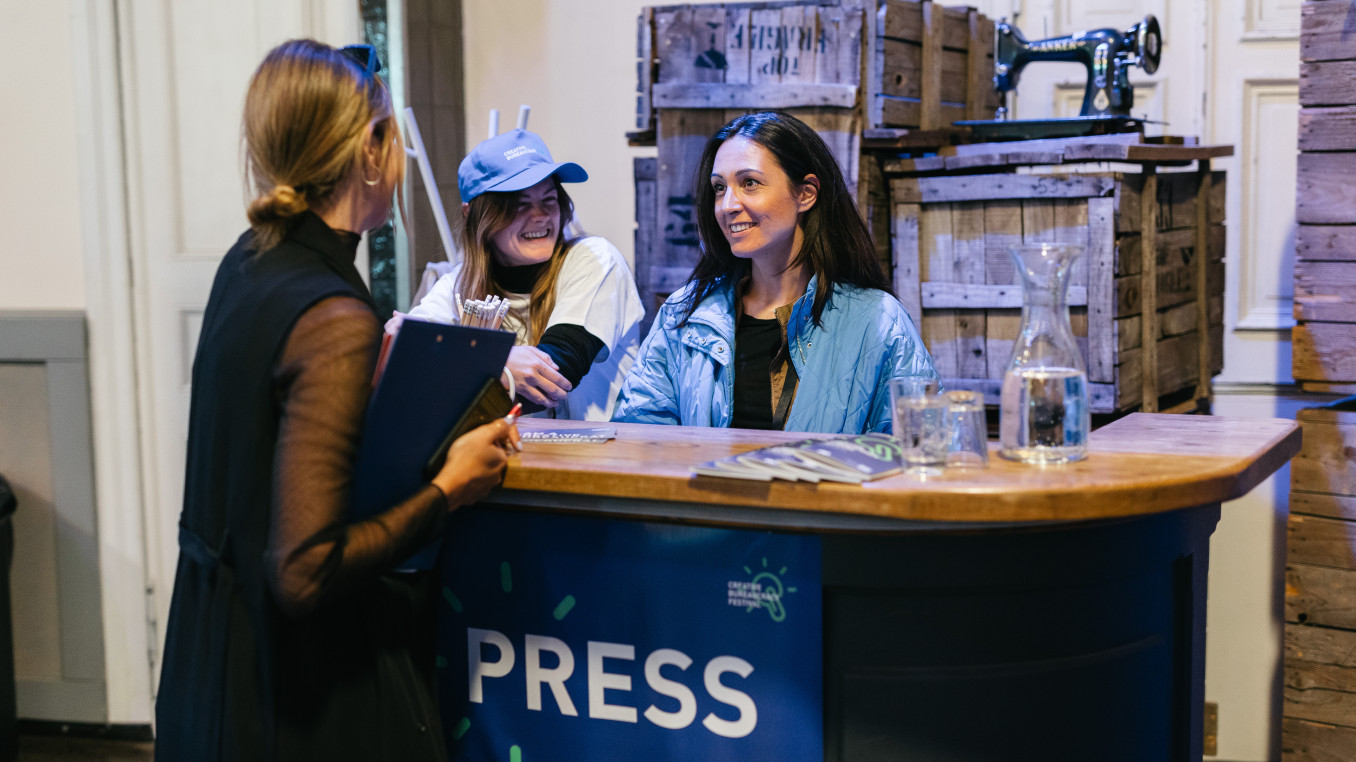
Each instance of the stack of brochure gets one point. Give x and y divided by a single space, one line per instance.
593 434
851 459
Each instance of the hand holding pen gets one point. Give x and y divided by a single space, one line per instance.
514 443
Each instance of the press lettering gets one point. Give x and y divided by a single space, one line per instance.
687 703
480 669
601 680
555 676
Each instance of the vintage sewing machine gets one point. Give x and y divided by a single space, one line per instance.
1107 54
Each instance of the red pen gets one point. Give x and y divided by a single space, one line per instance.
511 419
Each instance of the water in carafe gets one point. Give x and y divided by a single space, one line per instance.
1043 414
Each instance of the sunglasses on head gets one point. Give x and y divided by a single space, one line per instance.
364 55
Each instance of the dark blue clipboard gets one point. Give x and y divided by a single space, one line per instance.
431 376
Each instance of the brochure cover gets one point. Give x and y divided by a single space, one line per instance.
850 459
570 435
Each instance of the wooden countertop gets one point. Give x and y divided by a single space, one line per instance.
1141 464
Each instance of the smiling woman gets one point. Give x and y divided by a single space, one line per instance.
787 321
572 302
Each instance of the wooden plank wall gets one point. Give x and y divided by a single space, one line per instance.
952 268
1324 358
1319 709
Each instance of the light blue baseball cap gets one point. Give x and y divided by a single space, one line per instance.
512 161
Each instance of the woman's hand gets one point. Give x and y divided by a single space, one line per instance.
393 325
536 378
475 463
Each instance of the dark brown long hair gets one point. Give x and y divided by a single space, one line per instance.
836 245
486 215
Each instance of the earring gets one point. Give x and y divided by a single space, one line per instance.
372 182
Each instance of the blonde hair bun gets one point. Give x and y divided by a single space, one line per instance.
279 205
309 113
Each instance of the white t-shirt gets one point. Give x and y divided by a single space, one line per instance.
596 290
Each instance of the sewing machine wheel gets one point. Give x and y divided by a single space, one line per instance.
1148 44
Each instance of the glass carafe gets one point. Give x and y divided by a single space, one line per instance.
1044 416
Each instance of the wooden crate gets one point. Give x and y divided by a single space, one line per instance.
951 266
924 66
1319 709
929 65
1324 348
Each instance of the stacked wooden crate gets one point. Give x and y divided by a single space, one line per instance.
1319 712
701 65
929 66
1320 596
1325 267
1151 328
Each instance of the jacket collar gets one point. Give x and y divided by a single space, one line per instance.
716 311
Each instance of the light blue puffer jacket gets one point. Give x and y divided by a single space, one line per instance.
684 374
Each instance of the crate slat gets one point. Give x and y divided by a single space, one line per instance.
1329 128
1327 459
1303 741
721 95
1326 242
936 258
1328 83
1325 32
1321 504
737 58
1321 542
1321 596
1101 289
644 69
1325 352
1002 230
1325 193
926 190
1319 692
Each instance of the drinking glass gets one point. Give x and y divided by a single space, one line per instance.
968 430
920 419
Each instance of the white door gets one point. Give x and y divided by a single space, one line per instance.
186 66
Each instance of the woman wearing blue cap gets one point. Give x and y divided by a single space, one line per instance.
787 321
572 302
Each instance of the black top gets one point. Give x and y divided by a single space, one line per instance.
757 341
243 677
517 279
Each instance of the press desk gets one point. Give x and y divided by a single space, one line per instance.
1012 612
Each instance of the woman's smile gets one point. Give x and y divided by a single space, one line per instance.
757 206
530 238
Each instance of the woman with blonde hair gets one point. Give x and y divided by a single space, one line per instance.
290 637
572 301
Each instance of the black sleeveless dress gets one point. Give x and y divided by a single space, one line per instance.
243 679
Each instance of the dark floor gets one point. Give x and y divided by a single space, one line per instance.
44 748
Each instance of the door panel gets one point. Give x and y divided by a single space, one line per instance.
186 67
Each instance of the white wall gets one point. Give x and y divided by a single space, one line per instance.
61 207
40 259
